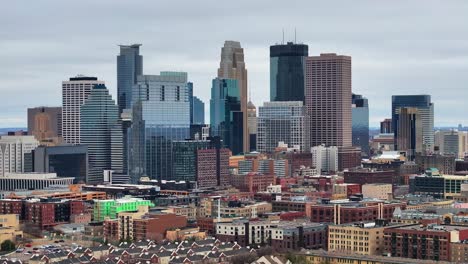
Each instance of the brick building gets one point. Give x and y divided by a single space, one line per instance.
351 212
213 167
287 236
252 182
431 242
365 176
349 157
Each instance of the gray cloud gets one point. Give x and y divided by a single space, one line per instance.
398 47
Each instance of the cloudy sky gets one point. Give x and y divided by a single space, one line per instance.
398 47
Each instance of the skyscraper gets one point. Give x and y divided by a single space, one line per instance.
198 111
426 110
360 118
386 126
45 124
101 131
129 66
161 114
232 66
226 117
74 93
281 122
287 63
252 125
328 99
409 131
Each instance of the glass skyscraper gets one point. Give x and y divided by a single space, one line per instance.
226 117
185 158
426 110
360 122
198 111
129 66
101 132
281 121
161 114
287 71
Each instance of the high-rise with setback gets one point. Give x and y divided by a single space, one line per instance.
129 66
74 93
101 131
426 111
232 66
328 99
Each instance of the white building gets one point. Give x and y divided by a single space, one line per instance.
13 150
74 93
33 181
325 158
281 122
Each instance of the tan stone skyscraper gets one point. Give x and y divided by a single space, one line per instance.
328 99
232 66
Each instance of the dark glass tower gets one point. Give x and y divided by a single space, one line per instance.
129 66
426 110
287 71
360 122
226 117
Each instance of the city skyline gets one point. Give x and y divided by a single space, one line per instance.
385 62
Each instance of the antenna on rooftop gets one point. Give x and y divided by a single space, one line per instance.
295 36
282 42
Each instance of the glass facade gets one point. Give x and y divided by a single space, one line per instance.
198 111
185 158
360 122
100 128
226 117
129 66
161 114
287 71
426 110
281 121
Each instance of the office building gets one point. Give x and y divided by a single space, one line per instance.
386 126
357 238
185 158
16 153
409 131
161 114
287 63
360 123
45 124
74 93
281 122
232 66
328 99
252 182
129 66
436 185
65 161
425 109
325 159
101 131
451 143
252 124
349 157
444 163
198 111
213 167
226 117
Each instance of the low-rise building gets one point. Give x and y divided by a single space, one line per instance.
382 191
9 227
364 238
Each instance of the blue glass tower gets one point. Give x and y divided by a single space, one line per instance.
360 122
198 111
226 117
161 114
